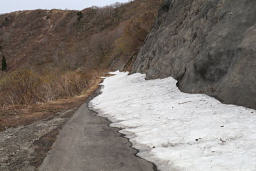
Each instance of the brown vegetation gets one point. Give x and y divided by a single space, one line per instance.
55 59
27 87
17 115
44 49
73 39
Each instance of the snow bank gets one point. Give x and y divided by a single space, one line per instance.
179 131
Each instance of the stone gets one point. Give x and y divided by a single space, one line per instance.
209 46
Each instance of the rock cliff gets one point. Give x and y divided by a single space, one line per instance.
209 46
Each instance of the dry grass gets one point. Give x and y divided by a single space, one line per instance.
71 39
23 87
58 43
17 115
95 38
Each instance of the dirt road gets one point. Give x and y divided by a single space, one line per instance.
87 143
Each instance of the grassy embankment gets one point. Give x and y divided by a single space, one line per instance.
55 61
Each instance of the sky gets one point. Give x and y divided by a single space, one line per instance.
16 5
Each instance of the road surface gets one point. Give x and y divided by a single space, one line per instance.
87 143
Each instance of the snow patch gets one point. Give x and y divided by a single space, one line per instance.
175 130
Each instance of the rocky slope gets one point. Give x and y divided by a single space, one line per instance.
209 46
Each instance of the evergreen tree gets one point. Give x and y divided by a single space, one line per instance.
4 64
80 15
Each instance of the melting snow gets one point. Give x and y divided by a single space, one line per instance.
179 131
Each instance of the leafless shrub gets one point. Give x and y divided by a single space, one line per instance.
101 45
105 12
19 87
25 87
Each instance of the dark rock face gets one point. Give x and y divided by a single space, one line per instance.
209 46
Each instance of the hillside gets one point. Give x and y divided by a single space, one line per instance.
53 49
208 46
183 50
73 39
196 48
55 61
